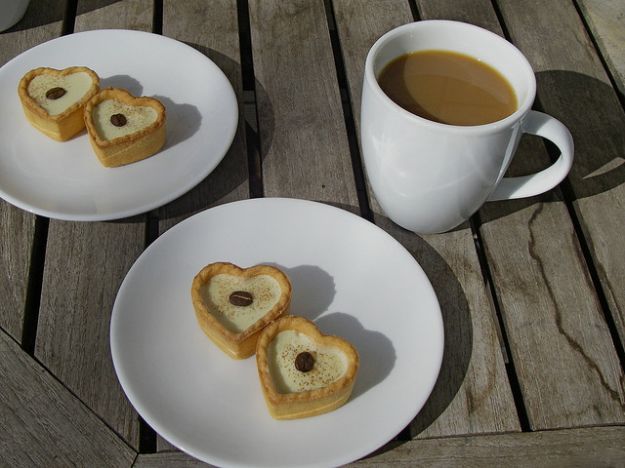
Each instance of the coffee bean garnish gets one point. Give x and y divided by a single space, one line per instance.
119 120
55 93
304 361
241 298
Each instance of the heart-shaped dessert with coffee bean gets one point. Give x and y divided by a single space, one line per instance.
233 304
53 100
123 128
302 371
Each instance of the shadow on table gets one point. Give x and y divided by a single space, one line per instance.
42 12
457 324
591 110
233 171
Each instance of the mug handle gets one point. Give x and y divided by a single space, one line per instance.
544 126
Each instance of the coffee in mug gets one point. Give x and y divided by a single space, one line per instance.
448 87
431 171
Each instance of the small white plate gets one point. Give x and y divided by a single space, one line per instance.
64 180
348 275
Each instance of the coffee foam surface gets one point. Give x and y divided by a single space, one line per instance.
76 86
137 118
265 291
330 363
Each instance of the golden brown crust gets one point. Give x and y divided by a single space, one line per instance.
312 402
134 146
237 345
61 126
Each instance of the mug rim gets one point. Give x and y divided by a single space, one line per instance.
521 111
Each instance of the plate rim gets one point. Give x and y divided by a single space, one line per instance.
163 200
349 456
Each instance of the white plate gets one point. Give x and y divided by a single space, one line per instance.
349 276
64 180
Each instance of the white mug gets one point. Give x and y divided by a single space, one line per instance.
430 177
11 11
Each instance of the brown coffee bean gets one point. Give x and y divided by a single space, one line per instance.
241 298
304 361
55 93
119 120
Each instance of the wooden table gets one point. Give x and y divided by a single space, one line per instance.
532 291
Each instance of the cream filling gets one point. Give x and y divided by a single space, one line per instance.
330 363
265 291
137 118
76 86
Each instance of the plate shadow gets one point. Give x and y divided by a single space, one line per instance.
376 351
313 289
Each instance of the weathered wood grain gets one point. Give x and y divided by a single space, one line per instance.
598 446
211 28
562 350
606 20
17 227
42 424
472 394
167 460
304 146
42 22
17 230
85 264
107 14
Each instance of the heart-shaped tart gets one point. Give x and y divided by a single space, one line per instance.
123 128
53 100
233 304
303 372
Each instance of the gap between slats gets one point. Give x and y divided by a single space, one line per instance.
603 60
405 435
40 239
569 195
147 435
568 198
350 125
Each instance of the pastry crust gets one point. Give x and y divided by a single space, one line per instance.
61 126
312 402
238 345
131 147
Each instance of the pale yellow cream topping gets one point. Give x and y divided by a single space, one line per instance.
330 363
137 118
76 86
264 289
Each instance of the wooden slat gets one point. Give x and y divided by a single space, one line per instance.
212 28
574 87
562 350
168 460
538 281
107 14
304 146
606 19
16 226
43 424
598 446
85 264
472 394
17 230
